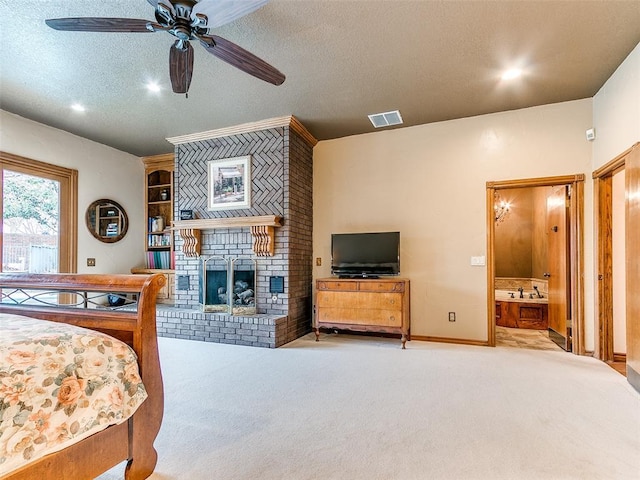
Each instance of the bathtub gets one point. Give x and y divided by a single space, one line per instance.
519 312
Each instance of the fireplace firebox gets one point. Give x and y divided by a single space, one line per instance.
228 285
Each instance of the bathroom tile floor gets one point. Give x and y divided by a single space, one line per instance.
524 338
538 340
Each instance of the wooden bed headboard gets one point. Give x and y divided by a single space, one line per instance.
80 299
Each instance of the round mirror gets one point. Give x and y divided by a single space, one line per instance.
107 220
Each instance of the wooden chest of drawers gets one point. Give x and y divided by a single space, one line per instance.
368 305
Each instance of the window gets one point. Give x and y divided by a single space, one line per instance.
39 216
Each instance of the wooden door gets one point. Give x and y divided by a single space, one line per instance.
558 268
632 244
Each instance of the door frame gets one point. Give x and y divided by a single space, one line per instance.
68 226
603 238
576 257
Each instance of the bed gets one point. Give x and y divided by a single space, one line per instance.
106 312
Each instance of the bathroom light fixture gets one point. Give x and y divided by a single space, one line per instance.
500 208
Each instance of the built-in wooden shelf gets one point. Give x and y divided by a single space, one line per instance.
262 231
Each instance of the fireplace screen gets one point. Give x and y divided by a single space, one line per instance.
228 285
214 285
243 297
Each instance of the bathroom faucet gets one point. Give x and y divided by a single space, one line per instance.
535 287
521 290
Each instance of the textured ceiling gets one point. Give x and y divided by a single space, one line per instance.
432 60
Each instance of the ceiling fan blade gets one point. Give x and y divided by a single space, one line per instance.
241 58
181 67
99 24
221 12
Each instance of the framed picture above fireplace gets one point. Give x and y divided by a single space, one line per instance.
229 183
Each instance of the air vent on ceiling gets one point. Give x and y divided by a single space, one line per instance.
386 119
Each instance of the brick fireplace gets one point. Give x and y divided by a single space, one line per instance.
281 153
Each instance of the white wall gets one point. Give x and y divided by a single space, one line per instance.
103 172
616 111
429 182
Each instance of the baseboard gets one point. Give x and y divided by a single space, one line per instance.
460 341
620 357
420 338
557 339
633 378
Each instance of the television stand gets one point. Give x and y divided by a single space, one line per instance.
364 305
364 275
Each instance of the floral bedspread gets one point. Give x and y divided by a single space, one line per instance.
59 384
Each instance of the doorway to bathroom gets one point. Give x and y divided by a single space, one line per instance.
534 272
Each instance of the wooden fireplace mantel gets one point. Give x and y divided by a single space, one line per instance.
262 231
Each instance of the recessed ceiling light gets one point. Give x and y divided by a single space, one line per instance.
153 87
386 119
76 107
511 74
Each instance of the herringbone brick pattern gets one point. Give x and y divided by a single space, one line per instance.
267 172
281 184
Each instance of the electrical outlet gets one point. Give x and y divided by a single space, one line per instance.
452 316
91 262
318 262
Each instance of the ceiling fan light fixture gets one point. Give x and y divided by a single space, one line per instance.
386 119
186 20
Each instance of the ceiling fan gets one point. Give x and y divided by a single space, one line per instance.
186 20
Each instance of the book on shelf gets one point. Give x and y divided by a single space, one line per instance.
159 240
112 230
156 224
164 260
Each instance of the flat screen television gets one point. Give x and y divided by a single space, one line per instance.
365 254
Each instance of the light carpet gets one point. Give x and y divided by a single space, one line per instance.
356 407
